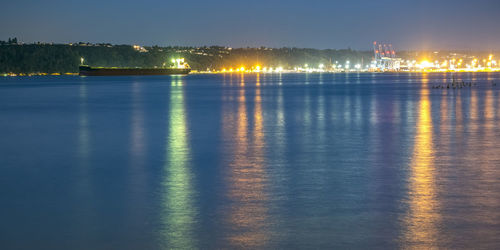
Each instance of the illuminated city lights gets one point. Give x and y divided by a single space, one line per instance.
431 62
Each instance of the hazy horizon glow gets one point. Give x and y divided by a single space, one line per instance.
445 24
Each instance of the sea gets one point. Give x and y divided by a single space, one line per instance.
251 161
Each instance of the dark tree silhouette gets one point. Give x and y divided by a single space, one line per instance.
62 58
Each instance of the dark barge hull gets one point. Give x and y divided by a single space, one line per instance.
90 71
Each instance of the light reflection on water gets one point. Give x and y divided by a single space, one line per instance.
138 144
83 135
85 207
246 177
179 211
421 221
250 161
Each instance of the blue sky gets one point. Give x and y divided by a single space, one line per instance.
424 24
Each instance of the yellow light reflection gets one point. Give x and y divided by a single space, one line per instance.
242 83
179 210
247 177
473 110
422 218
488 107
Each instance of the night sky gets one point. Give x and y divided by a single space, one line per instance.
417 24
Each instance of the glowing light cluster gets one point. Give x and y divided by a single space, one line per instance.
453 64
180 63
253 69
460 63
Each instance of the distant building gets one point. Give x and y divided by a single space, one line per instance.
385 57
140 48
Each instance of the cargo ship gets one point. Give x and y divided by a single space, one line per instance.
179 68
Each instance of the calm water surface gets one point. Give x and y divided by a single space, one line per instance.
250 161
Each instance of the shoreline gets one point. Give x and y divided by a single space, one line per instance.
282 72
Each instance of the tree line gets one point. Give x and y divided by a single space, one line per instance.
64 58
